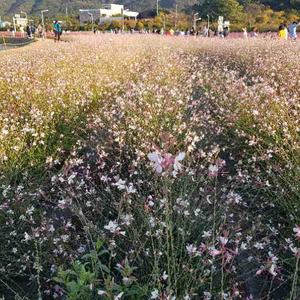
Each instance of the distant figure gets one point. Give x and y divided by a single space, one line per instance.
205 31
282 32
12 30
293 30
32 30
57 31
22 30
254 33
40 30
286 32
225 32
28 31
245 33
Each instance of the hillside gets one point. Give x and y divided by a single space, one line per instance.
9 7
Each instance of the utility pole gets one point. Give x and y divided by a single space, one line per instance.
176 17
208 24
92 17
66 12
43 11
123 21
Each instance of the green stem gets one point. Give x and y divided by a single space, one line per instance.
295 278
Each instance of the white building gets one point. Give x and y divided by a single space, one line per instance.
4 24
106 11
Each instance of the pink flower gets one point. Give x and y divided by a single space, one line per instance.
214 252
156 159
223 240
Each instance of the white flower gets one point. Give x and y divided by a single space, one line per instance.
259 245
119 296
120 184
156 161
114 228
154 294
213 170
178 158
297 231
5 132
27 237
243 246
295 250
101 292
191 249
207 295
165 275
272 270
130 189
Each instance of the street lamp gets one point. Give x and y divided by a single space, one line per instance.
208 22
22 12
176 17
92 17
43 11
157 7
195 20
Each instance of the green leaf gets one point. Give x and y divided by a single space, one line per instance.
105 268
99 244
58 280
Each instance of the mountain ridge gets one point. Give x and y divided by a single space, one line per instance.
10 7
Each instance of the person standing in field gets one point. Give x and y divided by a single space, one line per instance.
245 34
28 30
254 32
286 32
57 31
22 30
12 30
32 30
40 30
293 30
282 33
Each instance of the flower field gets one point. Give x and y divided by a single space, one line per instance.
150 167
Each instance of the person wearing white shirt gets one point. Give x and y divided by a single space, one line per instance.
293 30
286 32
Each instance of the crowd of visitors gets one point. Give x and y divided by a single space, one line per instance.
284 32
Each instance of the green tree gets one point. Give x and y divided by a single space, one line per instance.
116 24
130 24
230 9
139 26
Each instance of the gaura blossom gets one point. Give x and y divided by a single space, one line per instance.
114 228
178 158
154 294
272 270
119 296
166 162
213 170
156 159
297 231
